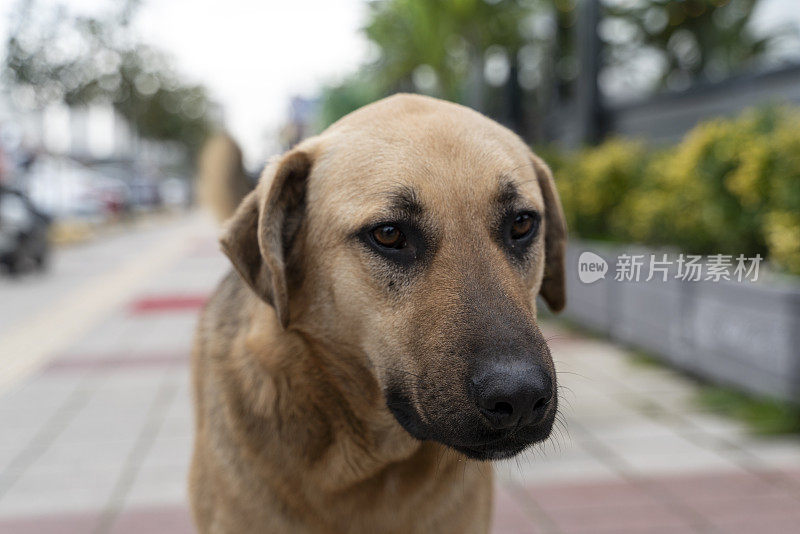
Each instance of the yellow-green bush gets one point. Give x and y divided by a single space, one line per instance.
593 182
731 186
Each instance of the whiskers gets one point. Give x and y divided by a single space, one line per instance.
397 370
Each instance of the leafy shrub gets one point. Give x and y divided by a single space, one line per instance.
593 183
731 186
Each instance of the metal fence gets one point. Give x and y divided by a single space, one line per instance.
664 118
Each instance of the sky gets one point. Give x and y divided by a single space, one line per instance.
253 55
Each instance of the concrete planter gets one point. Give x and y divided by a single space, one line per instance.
744 334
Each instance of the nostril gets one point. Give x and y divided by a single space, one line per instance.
516 393
503 408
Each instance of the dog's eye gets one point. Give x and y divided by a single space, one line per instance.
524 225
389 236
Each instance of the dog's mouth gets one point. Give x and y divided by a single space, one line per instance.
472 438
508 446
484 453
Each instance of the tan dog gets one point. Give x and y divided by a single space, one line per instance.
380 336
222 182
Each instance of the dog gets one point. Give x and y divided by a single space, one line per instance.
222 181
378 342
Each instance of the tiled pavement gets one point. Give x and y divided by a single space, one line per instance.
97 439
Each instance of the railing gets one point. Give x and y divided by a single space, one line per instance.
664 118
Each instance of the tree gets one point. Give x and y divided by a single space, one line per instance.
447 37
56 56
337 100
440 47
437 47
692 40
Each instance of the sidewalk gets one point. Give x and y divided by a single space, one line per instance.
96 438
637 455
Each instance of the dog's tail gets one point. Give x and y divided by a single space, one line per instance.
222 181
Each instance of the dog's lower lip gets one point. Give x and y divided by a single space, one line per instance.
489 442
506 446
494 446
492 453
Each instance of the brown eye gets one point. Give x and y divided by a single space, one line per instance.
522 225
389 236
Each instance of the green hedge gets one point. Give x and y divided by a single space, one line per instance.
731 186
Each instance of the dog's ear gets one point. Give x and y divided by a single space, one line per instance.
258 237
553 288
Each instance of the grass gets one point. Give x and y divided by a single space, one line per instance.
643 359
765 416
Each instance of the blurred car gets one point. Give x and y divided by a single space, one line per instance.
141 193
64 189
23 232
145 194
113 194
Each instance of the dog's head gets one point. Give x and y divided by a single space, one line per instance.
416 234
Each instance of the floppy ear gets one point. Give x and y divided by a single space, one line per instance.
258 237
553 288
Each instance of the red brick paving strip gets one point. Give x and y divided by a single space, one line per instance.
728 503
167 303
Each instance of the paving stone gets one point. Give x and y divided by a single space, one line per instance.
509 515
169 452
704 488
571 463
41 490
159 485
776 452
71 459
30 404
619 518
771 511
713 425
664 455
75 523
167 519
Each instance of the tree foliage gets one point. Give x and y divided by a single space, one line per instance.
445 35
694 40
56 56
443 47
431 46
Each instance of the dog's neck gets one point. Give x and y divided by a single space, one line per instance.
370 438
349 435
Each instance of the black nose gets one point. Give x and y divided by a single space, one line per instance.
512 393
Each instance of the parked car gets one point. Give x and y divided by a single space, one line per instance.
23 232
65 189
